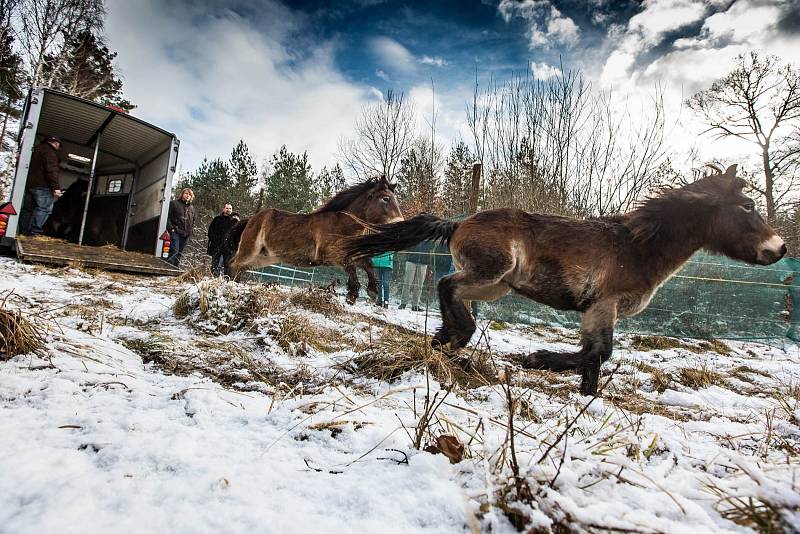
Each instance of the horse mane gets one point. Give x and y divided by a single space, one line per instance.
674 203
342 200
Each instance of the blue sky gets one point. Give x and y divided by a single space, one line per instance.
297 73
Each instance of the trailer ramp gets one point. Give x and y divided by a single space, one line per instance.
110 258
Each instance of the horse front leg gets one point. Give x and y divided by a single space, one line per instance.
597 331
352 283
372 281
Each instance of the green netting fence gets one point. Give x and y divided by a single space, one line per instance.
711 297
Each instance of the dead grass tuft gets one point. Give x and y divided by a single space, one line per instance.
648 343
182 306
297 333
320 300
398 351
753 512
18 335
697 378
717 346
195 274
744 372
222 361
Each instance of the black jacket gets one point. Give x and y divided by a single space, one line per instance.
217 231
181 218
43 171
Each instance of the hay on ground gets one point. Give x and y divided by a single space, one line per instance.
320 300
398 351
18 335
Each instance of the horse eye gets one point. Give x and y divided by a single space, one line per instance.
748 208
385 199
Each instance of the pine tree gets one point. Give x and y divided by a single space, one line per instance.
457 184
417 183
11 77
243 169
86 69
329 182
290 186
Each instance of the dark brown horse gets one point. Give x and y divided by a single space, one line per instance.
306 240
607 268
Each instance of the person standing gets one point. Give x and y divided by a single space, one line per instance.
179 224
417 263
42 187
383 264
217 230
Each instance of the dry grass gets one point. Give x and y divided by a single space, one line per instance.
638 404
697 378
182 306
548 382
752 512
648 343
298 333
195 274
717 346
225 363
744 372
18 335
398 351
318 300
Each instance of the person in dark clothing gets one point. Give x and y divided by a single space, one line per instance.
42 187
179 224
217 231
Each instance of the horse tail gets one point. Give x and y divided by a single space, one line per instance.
399 236
234 235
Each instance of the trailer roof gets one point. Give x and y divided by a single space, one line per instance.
125 139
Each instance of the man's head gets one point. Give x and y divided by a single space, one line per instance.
54 141
227 209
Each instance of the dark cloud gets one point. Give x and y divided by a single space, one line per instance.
789 23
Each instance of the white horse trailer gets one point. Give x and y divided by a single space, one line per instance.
121 157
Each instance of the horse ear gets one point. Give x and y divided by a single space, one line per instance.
730 172
392 187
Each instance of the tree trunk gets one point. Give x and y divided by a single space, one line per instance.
5 122
769 183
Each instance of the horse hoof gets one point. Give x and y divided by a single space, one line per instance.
350 299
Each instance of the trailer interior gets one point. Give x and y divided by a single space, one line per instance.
129 165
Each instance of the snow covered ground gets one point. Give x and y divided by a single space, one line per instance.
257 409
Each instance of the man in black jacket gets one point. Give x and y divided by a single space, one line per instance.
41 187
217 230
179 224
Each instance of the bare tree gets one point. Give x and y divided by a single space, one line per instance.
759 102
384 133
557 146
45 25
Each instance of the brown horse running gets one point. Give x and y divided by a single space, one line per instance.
607 268
306 240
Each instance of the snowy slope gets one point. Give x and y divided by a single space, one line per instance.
242 425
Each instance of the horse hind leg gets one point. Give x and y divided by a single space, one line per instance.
597 329
458 325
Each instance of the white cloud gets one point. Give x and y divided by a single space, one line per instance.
547 26
435 61
392 54
693 62
213 78
382 75
543 71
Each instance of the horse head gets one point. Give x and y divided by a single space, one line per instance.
380 204
735 227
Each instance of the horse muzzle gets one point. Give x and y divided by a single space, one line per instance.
771 250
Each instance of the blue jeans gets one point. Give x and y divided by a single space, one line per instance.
177 243
36 208
384 276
